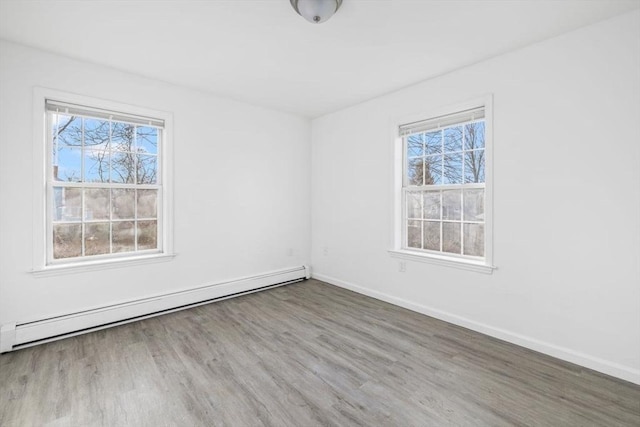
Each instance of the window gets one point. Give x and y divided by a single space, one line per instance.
444 210
105 197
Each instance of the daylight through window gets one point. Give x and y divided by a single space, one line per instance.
104 190
443 192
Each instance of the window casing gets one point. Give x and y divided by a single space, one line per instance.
444 192
104 177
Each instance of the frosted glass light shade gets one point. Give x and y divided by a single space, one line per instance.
316 11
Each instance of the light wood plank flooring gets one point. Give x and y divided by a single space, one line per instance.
307 354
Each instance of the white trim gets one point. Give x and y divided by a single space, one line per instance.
40 164
488 180
91 112
606 367
440 122
440 259
101 264
68 324
399 167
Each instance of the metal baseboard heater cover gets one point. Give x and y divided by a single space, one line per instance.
14 336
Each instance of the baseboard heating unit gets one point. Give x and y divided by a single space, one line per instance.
14 336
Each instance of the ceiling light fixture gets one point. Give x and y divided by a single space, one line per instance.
316 11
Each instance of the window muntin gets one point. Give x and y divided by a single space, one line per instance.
443 193
104 189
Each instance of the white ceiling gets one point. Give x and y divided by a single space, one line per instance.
263 53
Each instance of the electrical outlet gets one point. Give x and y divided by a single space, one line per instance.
290 252
325 251
402 266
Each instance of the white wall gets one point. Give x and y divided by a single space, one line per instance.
566 200
241 188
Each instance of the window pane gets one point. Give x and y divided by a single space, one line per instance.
474 239
433 170
451 204
96 134
67 141
96 238
451 237
433 142
67 204
146 140
68 165
67 240
147 235
431 204
414 171
92 218
123 203
474 166
122 137
452 173
96 165
123 236
474 136
414 146
96 203
147 203
447 213
414 234
474 205
147 169
453 139
431 234
67 131
123 167
414 205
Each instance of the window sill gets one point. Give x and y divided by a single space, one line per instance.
443 260
80 267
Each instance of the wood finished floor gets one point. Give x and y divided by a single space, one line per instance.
307 354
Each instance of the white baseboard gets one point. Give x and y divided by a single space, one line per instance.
21 334
610 368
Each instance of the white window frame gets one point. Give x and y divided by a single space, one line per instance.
43 263
398 250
